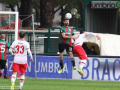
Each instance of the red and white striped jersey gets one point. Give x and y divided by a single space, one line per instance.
21 47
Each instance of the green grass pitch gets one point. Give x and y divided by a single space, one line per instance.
62 84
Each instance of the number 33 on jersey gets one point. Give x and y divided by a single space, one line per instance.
21 47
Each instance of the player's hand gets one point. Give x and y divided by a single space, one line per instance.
13 55
74 37
13 51
31 60
98 37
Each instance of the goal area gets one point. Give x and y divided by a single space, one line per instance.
9 23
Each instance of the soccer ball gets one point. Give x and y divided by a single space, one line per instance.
68 16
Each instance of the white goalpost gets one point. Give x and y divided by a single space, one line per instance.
16 27
16 21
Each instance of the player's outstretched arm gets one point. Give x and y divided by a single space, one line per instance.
98 37
64 36
74 37
90 33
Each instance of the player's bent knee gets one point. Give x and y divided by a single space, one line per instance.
22 74
6 66
71 54
15 73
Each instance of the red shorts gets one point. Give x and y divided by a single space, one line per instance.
19 67
79 51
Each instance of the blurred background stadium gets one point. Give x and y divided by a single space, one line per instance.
49 16
87 15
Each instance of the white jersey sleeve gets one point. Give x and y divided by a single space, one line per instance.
11 48
28 50
90 33
80 39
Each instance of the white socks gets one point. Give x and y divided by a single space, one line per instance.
22 79
13 78
82 63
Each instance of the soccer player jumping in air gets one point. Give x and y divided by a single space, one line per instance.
21 47
65 43
79 51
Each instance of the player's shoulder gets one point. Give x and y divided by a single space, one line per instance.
15 41
26 42
61 28
77 36
71 27
83 35
5 41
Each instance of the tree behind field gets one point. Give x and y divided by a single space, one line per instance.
46 13
47 10
65 6
26 9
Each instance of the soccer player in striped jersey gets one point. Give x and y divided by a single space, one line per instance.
79 51
66 43
20 47
3 53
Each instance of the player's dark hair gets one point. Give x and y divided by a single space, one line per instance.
66 19
82 31
2 36
22 34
